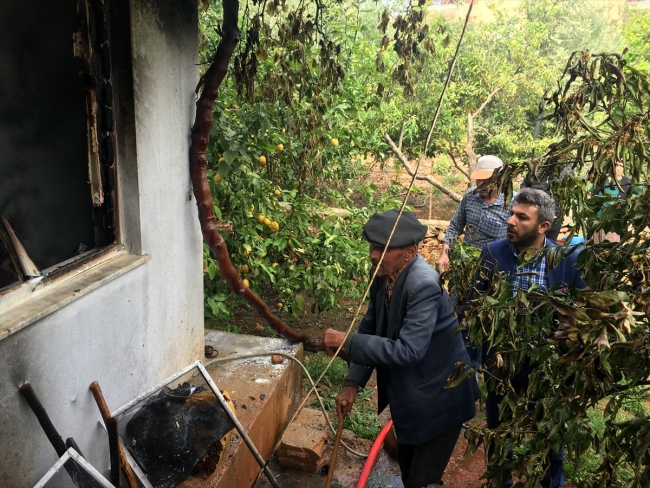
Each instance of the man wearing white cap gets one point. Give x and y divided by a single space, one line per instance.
480 214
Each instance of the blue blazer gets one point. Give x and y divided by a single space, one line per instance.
414 346
500 256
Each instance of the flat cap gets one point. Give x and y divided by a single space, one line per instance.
409 229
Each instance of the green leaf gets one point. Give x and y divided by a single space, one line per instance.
223 169
230 156
212 270
298 305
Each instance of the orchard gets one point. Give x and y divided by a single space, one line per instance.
313 92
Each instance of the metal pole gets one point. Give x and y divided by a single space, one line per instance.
240 428
72 454
159 386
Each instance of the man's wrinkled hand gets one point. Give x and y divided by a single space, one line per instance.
442 263
345 401
332 339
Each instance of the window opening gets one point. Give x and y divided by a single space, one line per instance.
57 130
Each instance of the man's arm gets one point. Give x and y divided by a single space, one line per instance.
414 336
358 375
456 227
457 222
576 280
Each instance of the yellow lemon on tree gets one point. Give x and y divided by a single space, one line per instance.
262 160
245 269
275 226
246 252
246 283
217 178
263 255
252 207
277 193
280 147
274 265
284 131
280 305
267 222
335 142
260 218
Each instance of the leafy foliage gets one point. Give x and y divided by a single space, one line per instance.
315 87
636 33
588 347
286 141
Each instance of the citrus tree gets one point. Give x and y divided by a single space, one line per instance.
293 129
590 348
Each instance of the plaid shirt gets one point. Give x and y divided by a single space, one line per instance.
481 222
532 272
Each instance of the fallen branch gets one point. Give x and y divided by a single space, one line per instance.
210 82
453 195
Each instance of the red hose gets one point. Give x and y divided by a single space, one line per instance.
372 455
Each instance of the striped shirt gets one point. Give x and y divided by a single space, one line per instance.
481 222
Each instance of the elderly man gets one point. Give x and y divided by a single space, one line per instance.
480 214
530 218
408 336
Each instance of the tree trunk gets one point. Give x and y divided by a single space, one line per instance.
210 82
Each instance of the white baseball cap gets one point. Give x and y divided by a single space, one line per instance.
485 166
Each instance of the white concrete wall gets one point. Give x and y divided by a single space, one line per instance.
140 328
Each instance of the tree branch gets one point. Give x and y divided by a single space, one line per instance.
210 82
487 100
453 195
458 167
484 130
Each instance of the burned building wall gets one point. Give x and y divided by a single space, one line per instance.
134 330
44 191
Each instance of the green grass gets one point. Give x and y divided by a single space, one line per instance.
335 376
363 420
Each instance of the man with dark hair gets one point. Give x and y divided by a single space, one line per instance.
530 218
408 335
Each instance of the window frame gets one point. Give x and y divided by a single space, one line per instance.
92 47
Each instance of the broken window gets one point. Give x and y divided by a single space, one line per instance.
57 141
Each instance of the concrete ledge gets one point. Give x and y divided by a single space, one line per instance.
266 396
57 295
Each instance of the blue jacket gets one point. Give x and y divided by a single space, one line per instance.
414 346
499 255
